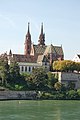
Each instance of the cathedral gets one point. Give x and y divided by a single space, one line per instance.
40 55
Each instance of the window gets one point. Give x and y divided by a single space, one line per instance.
22 68
29 69
26 69
45 63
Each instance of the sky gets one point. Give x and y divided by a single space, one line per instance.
60 18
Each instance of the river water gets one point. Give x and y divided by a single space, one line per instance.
40 110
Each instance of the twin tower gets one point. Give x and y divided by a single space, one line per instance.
28 42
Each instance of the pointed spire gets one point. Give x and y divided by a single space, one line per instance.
28 31
10 52
42 28
28 27
27 43
41 37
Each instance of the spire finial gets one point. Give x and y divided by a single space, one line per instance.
41 28
28 26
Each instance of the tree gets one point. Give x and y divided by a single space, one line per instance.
71 86
38 79
65 65
78 92
58 86
51 79
72 94
14 73
4 71
77 66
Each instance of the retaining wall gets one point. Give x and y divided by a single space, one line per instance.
15 95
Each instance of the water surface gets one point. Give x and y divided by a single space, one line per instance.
40 110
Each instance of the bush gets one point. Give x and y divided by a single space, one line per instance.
72 94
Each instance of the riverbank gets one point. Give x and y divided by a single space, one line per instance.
39 95
17 95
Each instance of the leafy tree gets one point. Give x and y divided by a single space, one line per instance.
58 86
72 94
51 79
77 66
71 86
78 92
14 73
38 79
4 71
65 65
26 77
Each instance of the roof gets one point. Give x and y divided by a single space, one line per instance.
78 55
23 58
59 50
42 58
49 49
54 50
39 54
39 49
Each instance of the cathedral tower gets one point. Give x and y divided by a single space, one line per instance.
41 37
27 48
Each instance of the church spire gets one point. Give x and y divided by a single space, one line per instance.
27 44
28 28
42 28
41 37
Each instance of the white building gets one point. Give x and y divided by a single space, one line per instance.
76 58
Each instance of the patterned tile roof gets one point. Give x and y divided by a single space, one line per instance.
39 49
59 50
42 58
50 49
53 49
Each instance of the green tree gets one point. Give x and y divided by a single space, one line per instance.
78 92
71 86
4 71
57 86
51 80
65 65
38 79
72 94
14 73
77 66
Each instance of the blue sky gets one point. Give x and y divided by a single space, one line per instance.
61 20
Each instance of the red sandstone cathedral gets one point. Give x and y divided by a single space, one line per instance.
40 55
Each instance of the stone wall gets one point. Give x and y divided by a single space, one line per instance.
15 95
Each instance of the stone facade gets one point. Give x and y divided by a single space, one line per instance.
66 77
18 95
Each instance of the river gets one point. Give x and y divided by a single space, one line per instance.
39 110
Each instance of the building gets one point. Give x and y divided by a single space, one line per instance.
76 58
40 55
69 77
